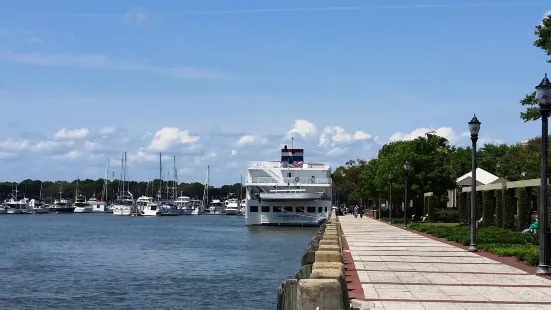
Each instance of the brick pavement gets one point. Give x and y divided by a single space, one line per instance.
398 269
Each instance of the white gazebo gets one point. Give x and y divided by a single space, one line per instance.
483 177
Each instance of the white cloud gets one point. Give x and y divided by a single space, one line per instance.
71 155
106 131
137 16
446 132
303 128
75 134
104 62
169 137
335 135
13 145
85 153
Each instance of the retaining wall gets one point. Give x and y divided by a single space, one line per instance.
320 283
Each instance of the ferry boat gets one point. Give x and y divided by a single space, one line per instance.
62 205
288 192
124 205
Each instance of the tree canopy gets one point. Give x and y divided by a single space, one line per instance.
543 41
31 188
434 167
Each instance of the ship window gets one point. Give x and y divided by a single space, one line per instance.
265 208
311 209
289 174
153 208
276 209
300 209
288 209
320 209
253 208
325 209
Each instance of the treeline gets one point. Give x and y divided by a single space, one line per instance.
435 165
31 189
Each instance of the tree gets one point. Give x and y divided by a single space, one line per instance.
543 41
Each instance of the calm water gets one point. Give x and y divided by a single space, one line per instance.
101 261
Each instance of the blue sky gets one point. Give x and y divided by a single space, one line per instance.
223 82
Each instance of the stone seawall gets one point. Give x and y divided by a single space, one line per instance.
320 284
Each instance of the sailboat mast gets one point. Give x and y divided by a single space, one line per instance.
160 175
175 188
121 186
208 182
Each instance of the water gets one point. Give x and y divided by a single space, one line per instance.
101 261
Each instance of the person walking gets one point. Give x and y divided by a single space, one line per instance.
356 210
362 210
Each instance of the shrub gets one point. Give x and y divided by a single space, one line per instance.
492 239
499 208
447 216
488 208
478 205
430 209
463 215
508 210
524 212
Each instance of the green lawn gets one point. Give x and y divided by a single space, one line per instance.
495 240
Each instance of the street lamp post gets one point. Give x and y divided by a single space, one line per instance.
390 199
474 128
406 169
543 96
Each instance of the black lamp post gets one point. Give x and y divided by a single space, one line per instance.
543 96
406 169
474 128
390 199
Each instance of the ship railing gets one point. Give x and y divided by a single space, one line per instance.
291 180
277 164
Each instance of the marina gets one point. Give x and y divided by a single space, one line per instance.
100 261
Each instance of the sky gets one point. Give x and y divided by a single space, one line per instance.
222 83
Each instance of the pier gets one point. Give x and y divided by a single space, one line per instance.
394 268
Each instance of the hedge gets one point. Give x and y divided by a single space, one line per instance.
492 239
488 208
463 210
508 210
524 212
499 208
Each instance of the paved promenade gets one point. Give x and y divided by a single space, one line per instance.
399 269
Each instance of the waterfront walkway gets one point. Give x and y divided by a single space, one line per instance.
399 269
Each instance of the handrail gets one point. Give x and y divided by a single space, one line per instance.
277 164
291 180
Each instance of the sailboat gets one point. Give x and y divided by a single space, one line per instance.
37 206
124 205
168 207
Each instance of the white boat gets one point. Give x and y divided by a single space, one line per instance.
242 207
97 205
124 205
197 206
231 205
168 209
215 207
146 206
38 207
81 206
288 192
3 209
14 206
184 205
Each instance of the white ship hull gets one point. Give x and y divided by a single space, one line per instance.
40 210
86 209
186 211
14 211
148 212
3 211
124 210
232 211
319 211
